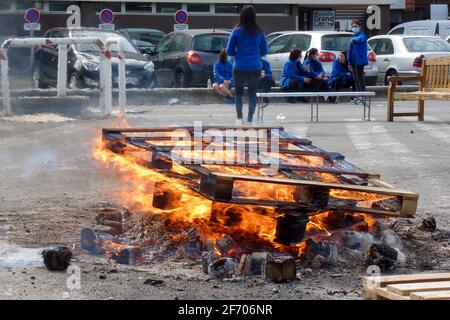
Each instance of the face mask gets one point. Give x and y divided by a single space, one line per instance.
355 30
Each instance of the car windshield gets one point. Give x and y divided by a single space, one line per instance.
103 36
336 42
147 38
272 36
210 42
426 45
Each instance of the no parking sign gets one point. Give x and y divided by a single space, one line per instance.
181 17
32 17
106 17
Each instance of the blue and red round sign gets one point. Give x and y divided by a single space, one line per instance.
181 17
107 16
32 15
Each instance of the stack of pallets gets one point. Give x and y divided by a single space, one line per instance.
424 286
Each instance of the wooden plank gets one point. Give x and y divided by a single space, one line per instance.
405 289
383 281
437 61
316 184
431 295
382 292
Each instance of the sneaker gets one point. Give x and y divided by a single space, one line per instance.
240 122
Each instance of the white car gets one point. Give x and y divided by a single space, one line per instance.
448 39
402 54
329 44
423 28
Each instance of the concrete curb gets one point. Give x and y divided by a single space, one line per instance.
39 101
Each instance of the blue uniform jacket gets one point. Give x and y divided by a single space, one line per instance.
247 50
339 70
315 67
222 71
357 52
293 70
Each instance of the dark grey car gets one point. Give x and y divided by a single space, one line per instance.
186 58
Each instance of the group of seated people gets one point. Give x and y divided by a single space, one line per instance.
308 76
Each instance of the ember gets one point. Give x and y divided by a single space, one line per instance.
236 208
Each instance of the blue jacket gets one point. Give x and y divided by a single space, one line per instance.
293 70
247 50
222 71
266 68
340 71
315 67
357 53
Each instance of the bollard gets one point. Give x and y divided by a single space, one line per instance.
62 70
5 81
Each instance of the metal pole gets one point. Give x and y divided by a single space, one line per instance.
62 70
122 80
107 83
31 49
5 81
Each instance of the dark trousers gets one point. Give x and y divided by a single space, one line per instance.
251 78
341 83
360 80
317 85
265 84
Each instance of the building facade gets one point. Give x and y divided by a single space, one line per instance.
273 15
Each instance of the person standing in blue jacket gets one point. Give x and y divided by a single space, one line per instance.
341 76
223 76
247 44
319 80
357 55
295 77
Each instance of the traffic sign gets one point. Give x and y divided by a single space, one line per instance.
181 17
180 27
107 16
32 27
107 26
32 15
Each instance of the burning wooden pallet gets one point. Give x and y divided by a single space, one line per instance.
262 167
426 286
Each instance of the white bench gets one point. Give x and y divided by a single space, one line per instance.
365 94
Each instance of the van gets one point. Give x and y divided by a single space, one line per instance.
424 28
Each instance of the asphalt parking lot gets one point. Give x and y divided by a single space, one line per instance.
48 179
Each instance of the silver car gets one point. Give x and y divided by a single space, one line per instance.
402 54
329 44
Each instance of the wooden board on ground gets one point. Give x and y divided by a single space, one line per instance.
425 286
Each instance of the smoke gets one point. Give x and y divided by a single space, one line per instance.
38 160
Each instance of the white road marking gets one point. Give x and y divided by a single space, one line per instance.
439 131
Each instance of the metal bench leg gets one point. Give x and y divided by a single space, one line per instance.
317 108
312 110
370 107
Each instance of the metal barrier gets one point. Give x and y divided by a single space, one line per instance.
63 43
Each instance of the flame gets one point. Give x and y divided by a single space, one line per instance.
250 226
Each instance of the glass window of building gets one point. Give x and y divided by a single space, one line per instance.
138 7
61 5
272 8
114 6
167 7
227 8
5 5
198 7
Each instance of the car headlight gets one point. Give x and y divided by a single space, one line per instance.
150 67
90 65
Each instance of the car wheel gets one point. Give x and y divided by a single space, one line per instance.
75 82
180 80
37 79
390 73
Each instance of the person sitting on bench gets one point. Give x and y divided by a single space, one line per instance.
266 81
223 76
294 77
341 77
319 80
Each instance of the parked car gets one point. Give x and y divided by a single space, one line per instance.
83 61
145 40
273 35
402 54
448 39
186 58
329 44
439 28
